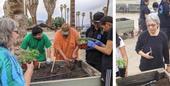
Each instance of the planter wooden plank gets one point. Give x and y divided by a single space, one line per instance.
93 80
124 25
142 78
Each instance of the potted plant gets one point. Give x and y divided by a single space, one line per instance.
122 67
28 56
83 42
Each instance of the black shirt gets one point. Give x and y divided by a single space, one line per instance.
107 59
144 10
159 47
93 56
163 13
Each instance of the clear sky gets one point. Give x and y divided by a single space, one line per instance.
81 5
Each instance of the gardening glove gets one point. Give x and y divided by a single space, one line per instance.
91 44
99 43
48 60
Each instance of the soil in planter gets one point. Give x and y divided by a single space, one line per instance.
161 82
61 71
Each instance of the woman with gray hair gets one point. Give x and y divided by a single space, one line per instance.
152 45
11 73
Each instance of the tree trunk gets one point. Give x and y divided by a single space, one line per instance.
91 18
32 7
34 20
15 10
107 9
50 6
49 20
82 22
72 13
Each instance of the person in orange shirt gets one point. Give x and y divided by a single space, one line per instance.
66 43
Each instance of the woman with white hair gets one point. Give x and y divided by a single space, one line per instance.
152 45
11 73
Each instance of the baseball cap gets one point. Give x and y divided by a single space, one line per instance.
97 16
106 19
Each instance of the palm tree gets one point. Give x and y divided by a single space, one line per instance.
108 2
61 9
91 17
78 18
32 7
83 14
68 15
105 11
65 8
72 13
50 6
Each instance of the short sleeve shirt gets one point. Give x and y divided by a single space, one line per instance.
30 42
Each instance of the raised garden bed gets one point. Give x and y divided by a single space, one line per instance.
64 74
124 27
156 77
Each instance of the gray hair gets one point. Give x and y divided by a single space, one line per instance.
153 17
7 26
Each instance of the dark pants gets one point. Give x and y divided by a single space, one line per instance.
107 70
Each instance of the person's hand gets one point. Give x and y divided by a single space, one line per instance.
168 68
74 56
67 59
148 56
99 43
91 44
30 66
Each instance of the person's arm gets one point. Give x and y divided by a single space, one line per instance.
48 46
140 43
145 55
74 55
75 52
28 74
166 52
107 49
124 56
62 54
48 53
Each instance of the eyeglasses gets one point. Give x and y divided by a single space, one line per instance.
153 25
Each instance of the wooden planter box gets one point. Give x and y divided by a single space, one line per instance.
92 80
124 25
144 78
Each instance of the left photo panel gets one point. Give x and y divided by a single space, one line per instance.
56 42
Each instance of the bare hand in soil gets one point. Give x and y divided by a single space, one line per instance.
147 55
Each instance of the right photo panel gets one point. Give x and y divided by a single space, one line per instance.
142 42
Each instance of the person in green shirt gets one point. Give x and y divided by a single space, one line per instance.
37 40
